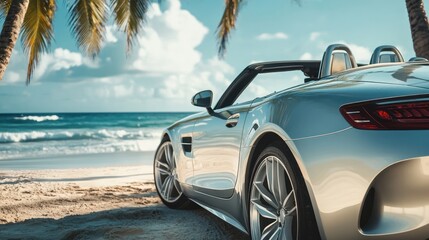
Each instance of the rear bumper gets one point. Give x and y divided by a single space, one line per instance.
386 170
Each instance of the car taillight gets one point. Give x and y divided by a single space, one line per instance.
392 114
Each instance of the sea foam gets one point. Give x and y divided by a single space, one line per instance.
39 118
78 134
28 136
48 149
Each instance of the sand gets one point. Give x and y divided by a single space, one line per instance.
97 203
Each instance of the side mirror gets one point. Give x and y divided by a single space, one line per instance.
203 99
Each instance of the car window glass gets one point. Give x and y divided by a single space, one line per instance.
266 84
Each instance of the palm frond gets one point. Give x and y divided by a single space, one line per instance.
87 20
4 7
37 31
130 16
227 24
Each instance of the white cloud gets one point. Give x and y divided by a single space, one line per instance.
65 59
165 65
12 77
222 66
91 63
113 88
168 44
61 59
119 86
107 80
110 36
306 56
122 91
102 92
183 86
314 36
211 74
146 92
362 54
16 71
272 36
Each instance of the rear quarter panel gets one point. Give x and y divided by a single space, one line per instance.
337 161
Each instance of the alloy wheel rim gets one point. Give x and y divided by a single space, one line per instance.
273 209
165 174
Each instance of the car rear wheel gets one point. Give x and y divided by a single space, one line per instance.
277 205
166 181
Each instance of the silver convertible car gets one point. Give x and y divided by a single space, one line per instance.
326 149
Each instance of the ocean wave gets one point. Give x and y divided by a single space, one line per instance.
39 118
36 150
38 136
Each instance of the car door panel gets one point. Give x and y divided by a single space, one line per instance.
216 150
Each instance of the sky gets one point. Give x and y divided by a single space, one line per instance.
175 56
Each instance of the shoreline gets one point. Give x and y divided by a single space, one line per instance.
93 176
73 161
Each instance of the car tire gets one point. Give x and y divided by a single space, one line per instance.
279 209
165 176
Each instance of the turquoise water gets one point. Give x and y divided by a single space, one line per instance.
25 136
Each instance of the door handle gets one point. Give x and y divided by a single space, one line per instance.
232 120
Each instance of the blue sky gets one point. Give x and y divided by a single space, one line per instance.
176 55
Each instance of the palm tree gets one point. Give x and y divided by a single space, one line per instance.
419 27
87 19
11 29
416 12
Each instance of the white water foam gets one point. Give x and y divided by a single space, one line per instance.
74 134
39 118
32 144
42 149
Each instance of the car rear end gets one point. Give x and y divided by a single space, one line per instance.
366 161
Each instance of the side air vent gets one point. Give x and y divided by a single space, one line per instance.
187 144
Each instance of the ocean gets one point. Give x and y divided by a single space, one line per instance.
50 135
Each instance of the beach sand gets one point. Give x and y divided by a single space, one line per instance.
101 202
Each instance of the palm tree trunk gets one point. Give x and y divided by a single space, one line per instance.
419 27
10 32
